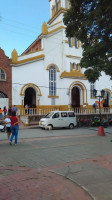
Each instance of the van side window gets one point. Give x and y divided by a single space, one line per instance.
56 115
63 114
71 114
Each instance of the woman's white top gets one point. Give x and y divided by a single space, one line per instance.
8 122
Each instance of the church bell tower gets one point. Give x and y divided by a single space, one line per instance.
57 8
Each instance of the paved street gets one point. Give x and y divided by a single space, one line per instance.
57 165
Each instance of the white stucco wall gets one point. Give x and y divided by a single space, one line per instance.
56 51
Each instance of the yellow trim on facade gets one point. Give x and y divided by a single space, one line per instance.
72 74
53 65
72 41
78 43
44 28
74 57
38 102
71 67
53 96
69 4
60 27
55 8
54 24
79 82
29 59
61 10
35 87
14 56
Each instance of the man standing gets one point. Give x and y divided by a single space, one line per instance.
95 107
15 108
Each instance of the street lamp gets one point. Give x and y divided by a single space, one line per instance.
99 97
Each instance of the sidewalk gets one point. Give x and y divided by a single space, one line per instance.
32 184
59 165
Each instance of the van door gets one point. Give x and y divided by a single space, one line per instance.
64 119
55 121
60 119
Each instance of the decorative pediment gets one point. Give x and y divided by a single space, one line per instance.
73 74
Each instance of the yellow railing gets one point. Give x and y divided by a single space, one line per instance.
78 110
84 111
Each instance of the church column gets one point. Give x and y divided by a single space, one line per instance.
38 100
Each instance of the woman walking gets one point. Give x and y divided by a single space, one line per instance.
14 127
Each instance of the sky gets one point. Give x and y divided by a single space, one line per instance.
21 22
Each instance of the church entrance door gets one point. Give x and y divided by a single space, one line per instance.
30 97
75 97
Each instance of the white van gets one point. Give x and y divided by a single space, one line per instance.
59 119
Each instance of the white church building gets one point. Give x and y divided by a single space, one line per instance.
48 75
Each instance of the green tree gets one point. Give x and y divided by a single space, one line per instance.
91 22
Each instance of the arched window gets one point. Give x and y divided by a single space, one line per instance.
92 87
74 66
78 67
70 41
75 42
52 81
2 74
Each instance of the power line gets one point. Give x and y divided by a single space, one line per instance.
46 87
26 35
23 24
25 29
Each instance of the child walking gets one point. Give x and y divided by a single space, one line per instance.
8 125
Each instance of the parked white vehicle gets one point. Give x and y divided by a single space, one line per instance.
59 119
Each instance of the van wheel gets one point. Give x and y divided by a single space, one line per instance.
71 126
50 126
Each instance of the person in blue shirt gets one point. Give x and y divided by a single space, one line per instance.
15 108
95 106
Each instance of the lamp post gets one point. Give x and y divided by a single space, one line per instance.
99 98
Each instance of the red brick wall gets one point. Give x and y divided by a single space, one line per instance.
6 85
36 46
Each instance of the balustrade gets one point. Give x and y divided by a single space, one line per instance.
77 110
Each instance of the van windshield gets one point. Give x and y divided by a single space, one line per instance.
49 115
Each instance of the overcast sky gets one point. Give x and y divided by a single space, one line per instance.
20 23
